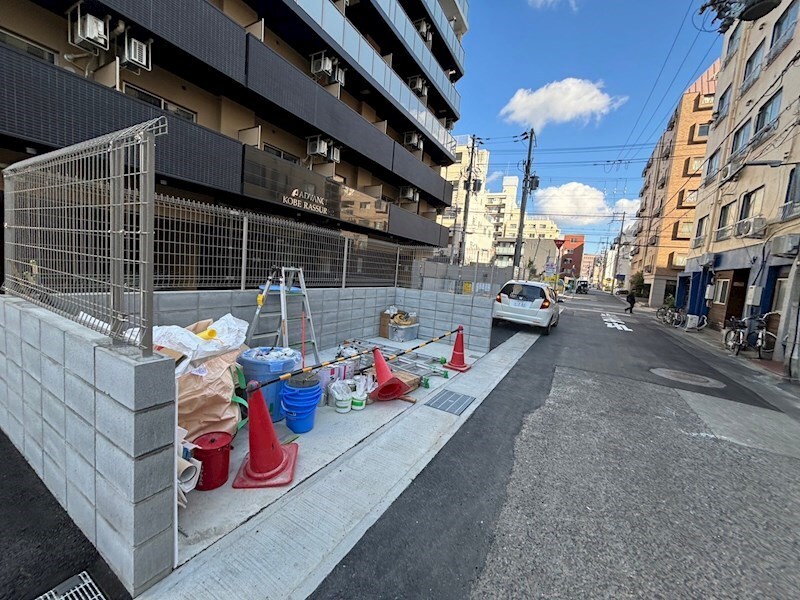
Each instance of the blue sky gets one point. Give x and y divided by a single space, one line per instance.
580 72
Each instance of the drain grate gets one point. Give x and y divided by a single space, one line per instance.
79 587
451 402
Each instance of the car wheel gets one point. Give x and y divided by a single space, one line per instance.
557 321
546 330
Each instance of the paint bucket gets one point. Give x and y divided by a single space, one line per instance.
358 403
214 452
299 399
343 406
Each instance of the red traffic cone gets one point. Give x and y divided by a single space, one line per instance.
389 386
268 464
457 360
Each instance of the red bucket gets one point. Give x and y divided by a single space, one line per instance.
214 451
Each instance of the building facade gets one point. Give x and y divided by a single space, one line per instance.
616 269
669 194
745 239
571 256
349 105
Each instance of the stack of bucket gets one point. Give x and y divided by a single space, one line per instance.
258 366
299 399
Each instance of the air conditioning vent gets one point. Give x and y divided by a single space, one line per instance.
418 85
708 259
136 53
334 154
423 27
786 245
86 30
316 146
412 140
449 124
409 193
751 228
338 75
321 64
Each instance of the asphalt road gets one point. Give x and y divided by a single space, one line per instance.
586 475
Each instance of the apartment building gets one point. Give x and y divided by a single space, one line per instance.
616 269
348 105
665 219
572 255
747 229
587 265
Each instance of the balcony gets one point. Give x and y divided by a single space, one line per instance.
780 44
662 182
723 233
790 210
698 241
751 79
445 29
653 240
635 251
763 134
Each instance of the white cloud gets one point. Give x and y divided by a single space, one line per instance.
562 101
493 176
580 204
548 3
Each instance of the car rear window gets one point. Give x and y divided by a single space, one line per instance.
519 291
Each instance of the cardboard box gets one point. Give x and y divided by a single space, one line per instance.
383 331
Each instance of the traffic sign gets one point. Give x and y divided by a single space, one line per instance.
559 243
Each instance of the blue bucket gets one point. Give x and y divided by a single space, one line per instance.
263 370
299 421
299 399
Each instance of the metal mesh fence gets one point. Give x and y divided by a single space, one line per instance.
78 231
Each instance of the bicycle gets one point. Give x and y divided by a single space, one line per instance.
761 339
736 338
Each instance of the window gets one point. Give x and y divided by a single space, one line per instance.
781 285
690 197
686 228
770 112
740 138
753 65
702 130
364 205
679 260
159 102
701 227
751 204
706 99
724 103
10 39
733 42
459 156
721 291
275 151
785 24
726 214
518 291
695 164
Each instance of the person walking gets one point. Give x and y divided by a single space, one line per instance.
631 298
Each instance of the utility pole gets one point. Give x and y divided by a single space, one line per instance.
616 255
527 184
462 243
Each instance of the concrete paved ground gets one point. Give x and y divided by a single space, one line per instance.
586 475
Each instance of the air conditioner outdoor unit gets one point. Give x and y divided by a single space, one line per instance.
449 124
317 146
707 259
413 140
334 154
786 245
752 227
88 31
321 64
409 193
423 27
417 85
338 75
136 53
725 172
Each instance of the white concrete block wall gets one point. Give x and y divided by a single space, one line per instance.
96 423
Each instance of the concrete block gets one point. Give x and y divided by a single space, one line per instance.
81 474
2 340
3 394
136 433
475 331
52 377
54 445
138 522
371 293
478 344
177 301
413 294
214 299
478 311
13 320
426 314
14 376
445 316
346 315
32 451
359 293
3 313
3 366
135 479
482 301
347 294
426 333
329 328
54 412
55 480
462 300
328 341
371 305
13 348
81 436
137 383
15 430
32 361
29 325
79 396
14 403
245 313
442 306
181 318
82 511
3 418
80 358
31 393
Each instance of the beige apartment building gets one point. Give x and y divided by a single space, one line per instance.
671 178
747 230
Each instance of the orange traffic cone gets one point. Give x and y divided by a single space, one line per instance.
389 386
457 360
268 464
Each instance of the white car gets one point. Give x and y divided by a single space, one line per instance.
528 303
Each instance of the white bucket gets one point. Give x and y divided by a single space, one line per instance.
358 403
343 406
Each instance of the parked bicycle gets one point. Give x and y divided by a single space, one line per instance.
762 341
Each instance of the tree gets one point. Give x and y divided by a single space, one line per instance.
637 283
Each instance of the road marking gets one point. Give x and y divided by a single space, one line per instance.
613 322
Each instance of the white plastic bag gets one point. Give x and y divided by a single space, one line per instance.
340 390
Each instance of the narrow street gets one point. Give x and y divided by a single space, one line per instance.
586 475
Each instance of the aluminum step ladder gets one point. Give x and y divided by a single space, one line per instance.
286 280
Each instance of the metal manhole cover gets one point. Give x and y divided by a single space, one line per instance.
689 378
79 587
451 402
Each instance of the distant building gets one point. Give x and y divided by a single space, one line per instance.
572 255
587 265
